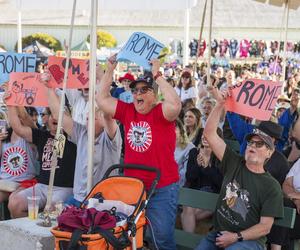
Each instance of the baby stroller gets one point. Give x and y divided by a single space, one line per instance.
129 236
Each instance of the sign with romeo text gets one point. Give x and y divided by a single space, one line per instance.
254 98
140 49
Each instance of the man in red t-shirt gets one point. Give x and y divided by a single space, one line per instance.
150 140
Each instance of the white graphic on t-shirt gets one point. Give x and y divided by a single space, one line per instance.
237 199
139 136
47 155
15 161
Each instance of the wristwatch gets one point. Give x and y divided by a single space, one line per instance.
240 236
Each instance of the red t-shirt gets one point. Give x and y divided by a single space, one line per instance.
150 140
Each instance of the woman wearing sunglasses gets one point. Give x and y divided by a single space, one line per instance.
150 140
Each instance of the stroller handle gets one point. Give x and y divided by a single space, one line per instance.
139 167
132 166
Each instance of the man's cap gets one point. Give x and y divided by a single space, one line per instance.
272 129
147 78
127 76
267 130
262 135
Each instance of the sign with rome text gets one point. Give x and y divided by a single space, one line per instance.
254 98
15 62
78 72
140 49
27 90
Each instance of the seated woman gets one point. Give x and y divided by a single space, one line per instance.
182 150
18 163
192 125
202 174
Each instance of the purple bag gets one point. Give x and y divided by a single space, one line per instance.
73 218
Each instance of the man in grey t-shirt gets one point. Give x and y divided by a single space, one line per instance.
108 145
107 153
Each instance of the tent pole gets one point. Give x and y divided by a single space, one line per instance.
200 36
209 43
20 26
285 38
280 38
186 35
61 112
92 77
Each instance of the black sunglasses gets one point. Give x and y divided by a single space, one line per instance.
142 90
43 114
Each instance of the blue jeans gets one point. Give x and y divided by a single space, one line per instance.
71 201
161 211
209 243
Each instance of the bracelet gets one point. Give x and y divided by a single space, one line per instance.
158 74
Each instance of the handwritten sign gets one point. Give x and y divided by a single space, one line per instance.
78 72
140 48
254 98
27 90
14 62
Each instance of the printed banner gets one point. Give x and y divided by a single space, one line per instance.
140 49
254 98
27 90
78 73
14 62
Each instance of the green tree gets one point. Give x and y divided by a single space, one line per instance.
43 38
104 39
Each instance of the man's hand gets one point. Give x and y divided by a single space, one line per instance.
45 78
112 63
226 239
220 96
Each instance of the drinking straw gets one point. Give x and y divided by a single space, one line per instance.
33 197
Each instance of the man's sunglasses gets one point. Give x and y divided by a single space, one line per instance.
142 90
43 114
257 144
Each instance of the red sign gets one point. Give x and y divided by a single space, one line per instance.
254 98
78 73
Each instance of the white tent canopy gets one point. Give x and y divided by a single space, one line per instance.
293 4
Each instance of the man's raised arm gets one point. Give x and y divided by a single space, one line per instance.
210 131
105 101
171 105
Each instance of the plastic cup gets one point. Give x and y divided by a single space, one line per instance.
33 207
